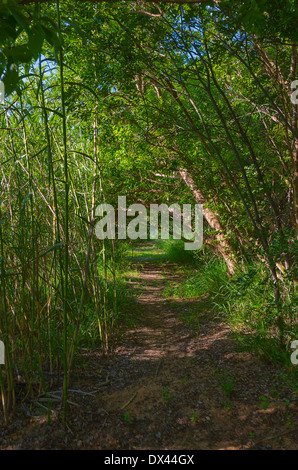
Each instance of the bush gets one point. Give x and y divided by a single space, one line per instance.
176 253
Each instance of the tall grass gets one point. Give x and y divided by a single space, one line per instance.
56 279
176 253
246 301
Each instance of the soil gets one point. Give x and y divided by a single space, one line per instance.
161 388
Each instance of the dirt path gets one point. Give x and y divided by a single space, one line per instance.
161 389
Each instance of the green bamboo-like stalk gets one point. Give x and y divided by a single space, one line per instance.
35 307
56 219
66 222
8 328
89 243
103 314
3 322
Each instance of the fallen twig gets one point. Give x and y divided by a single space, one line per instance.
129 401
49 399
45 407
102 384
157 369
83 393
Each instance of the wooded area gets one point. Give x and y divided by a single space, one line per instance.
187 102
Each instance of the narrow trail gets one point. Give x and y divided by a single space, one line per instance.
161 387
174 395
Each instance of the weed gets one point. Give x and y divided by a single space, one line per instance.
264 402
287 412
228 405
167 398
175 252
226 382
127 418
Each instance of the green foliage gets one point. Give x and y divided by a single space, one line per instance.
212 96
264 402
176 253
114 321
226 381
247 301
127 417
22 34
266 18
166 396
208 278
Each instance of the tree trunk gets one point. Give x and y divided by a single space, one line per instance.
224 246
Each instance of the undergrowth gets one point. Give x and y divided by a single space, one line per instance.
245 301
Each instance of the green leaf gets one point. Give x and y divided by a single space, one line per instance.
25 200
77 29
51 249
11 79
